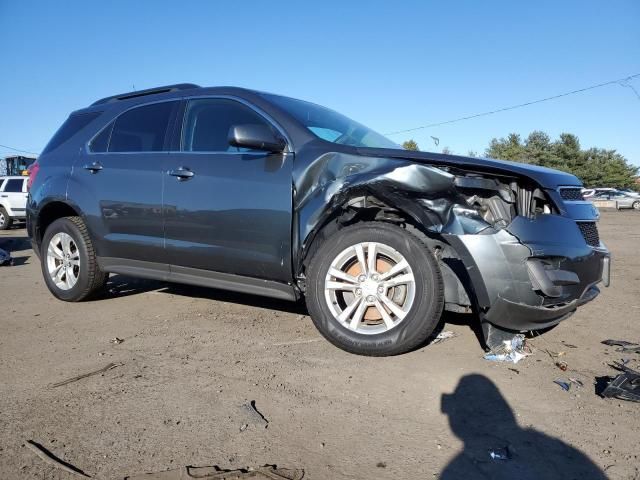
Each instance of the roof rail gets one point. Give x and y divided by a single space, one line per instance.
149 91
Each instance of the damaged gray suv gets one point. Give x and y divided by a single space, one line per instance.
247 191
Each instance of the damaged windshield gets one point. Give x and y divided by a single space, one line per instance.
331 126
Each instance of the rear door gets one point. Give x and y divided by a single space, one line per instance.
15 195
232 214
119 181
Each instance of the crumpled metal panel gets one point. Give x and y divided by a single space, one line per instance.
425 193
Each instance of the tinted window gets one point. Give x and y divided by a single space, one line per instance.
141 129
101 142
73 125
207 123
14 185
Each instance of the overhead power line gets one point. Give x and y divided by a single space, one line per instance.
18 150
619 81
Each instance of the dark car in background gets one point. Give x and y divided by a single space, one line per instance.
243 190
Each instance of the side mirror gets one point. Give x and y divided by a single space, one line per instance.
257 137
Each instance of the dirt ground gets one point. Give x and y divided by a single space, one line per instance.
191 357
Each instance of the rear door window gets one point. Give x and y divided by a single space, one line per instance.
14 185
141 129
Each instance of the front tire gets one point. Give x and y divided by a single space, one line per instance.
636 205
375 289
5 219
68 261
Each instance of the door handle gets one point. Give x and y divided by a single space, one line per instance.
5 196
183 173
95 167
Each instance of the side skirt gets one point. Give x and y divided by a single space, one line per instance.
198 277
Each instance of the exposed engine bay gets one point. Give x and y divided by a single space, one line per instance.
499 201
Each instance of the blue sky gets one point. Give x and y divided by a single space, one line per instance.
389 65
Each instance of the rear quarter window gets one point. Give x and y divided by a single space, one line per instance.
100 143
73 125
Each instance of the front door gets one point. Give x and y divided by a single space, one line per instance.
227 209
118 182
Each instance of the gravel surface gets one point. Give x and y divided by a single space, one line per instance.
192 358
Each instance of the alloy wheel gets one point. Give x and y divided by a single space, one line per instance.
63 261
369 288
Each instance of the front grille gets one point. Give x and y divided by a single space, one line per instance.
590 233
571 194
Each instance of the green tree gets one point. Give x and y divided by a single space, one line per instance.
537 149
510 148
567 155
607 168
596 166
410 145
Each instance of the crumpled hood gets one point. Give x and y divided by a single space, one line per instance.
545 177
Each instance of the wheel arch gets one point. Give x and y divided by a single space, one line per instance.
49 213
359 208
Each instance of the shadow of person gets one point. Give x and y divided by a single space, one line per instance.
480 416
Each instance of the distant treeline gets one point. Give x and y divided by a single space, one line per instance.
596 167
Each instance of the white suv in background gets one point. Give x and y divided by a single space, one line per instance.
13 200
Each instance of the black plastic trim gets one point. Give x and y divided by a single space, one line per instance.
198 277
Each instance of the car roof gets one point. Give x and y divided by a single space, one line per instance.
166 92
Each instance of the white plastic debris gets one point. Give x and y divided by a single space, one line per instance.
510 351
442 336
500 453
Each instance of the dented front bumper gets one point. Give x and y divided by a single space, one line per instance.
533 273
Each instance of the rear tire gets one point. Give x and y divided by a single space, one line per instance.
68 261
636 205
5 219
393 313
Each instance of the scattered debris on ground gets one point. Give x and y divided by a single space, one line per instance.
442 336
51 459
626 347
510 351
564 384
85 375
116 340
576 382
500 453
626 386
5 258
253 415
553 355
215 473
